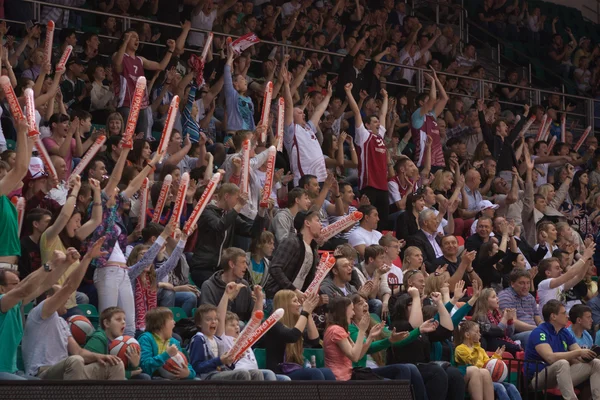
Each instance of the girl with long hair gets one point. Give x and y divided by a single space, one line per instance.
68 231
407 223
413 258
261 249
284 343
471 358
496 327
350 336
140 154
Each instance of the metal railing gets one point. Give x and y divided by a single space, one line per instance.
419 85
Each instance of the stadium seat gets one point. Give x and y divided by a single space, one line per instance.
319 356
460 240
375 317
193 312
261 358
178 313
11 144
91 313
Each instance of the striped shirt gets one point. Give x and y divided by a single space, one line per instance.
59 15
526 306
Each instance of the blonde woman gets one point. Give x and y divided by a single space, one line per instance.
285 343
413 259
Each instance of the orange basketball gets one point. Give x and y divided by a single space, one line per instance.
120 345
497 369
81 328
169 368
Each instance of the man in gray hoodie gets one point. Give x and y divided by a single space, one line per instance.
234 266
337 283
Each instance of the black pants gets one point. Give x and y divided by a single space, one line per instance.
380 200
442 383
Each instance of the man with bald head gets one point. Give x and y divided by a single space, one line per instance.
59 193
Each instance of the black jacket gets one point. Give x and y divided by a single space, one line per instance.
216 229
287 262
420 240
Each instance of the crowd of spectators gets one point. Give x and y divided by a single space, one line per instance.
456 197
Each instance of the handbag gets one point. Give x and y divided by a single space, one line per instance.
288 367
364 374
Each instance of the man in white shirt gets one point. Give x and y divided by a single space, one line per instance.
300 137
470 196
366 234
556 283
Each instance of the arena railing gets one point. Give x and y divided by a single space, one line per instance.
535 98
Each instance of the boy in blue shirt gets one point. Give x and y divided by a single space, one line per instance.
563 363
581 319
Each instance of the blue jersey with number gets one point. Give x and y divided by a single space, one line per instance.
545 333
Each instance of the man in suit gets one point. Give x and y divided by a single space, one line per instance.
427 239
396 16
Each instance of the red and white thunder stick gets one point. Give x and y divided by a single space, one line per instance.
180 200
11 97
245 167
252 325
168 128
547 129
264 202
327 262
134 112
582 138
264 120
202 203
143 203
563 128
551 145
280 123
20 212
207 46
343 223
49 40
64 58
527 125
160 203
542 127
91 153
30 112
258 333
43 154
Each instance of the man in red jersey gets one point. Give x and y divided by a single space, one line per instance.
423 123
127 68
372 155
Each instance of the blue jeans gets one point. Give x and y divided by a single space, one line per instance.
185 300
141 377
375 306
269 375
523 337
506 391
312 374
6 376
408 372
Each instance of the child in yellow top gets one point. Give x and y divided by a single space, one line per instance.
470 354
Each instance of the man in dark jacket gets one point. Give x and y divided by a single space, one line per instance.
295 259
216 228
233 267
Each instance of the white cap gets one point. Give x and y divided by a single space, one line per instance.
485 204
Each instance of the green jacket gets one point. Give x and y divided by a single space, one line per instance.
380 345
98 343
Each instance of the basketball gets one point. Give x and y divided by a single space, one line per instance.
497 369
120 345
169 369
81 328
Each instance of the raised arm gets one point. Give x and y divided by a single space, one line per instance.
353 106
320 109
66 211
117 58
153 65
115 177
441 103
56 301
428 106
18 172
384 108
136 183
90 226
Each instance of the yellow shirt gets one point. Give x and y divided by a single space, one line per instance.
162 344
47 249
476 356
